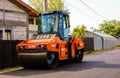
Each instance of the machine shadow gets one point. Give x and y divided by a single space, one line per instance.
85 65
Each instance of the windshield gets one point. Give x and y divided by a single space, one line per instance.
48 23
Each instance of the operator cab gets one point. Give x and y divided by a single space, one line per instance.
56 22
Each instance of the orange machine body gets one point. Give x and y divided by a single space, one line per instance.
54 44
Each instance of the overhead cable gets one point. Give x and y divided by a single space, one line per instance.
93 10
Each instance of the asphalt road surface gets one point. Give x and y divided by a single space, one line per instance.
99 65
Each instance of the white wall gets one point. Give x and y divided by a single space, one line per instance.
32 30
109 44
13 13
97 43
19 33
117 42
9 6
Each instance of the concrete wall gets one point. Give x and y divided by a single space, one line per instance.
109 44
117 42
32 30
97 43
8 6
19 33
13 18
9 11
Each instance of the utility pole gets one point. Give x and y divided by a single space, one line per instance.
46 5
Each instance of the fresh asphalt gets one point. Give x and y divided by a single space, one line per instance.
99 65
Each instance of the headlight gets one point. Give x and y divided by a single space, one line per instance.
21 48
42 46
53 45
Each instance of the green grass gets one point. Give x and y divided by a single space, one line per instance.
10 69
118 46
92 52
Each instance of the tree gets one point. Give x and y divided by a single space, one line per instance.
79 31
37 4
111 27
96 30
53 5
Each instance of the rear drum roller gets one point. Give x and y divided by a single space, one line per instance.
78 55
40 60
52 60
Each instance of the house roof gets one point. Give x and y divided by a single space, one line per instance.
25 7
101 34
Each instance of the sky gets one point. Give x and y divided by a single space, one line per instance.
82 15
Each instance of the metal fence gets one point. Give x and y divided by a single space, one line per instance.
9 57
8 54
89 44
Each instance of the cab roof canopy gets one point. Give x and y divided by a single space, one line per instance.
64 12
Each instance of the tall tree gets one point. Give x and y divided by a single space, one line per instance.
111 27
37 4
79 31
52 5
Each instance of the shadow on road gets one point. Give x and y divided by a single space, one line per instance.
86 65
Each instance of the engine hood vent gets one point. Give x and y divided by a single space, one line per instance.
43 36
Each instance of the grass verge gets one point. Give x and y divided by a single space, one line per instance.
92 52
5 70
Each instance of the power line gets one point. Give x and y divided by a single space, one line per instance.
92 10
76 7
80 10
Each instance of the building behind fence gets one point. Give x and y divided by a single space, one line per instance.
102 40
18 20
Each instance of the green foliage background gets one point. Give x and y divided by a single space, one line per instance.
53 5
111 27
79 31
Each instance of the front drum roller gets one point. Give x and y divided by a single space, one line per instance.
39 60
78 55
52 60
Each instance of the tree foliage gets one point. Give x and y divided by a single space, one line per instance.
53 5
111 27
79 31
